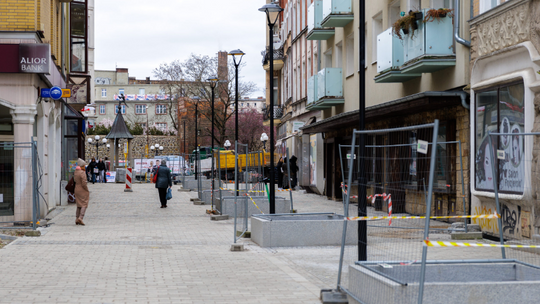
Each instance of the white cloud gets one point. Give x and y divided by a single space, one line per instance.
140 35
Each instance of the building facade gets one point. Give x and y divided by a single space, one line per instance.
410 80
43 44
505 88
147 103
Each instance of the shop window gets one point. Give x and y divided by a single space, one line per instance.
500 110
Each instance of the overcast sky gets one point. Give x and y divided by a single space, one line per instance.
141 34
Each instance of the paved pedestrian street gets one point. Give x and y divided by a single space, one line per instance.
132 251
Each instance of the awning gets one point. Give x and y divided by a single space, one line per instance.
412 104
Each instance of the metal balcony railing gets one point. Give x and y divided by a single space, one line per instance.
278 55
278 112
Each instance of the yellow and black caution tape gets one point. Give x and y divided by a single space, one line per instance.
454 244
371 218
254 203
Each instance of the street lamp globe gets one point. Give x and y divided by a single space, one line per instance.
90 140
156 145
264 137
227 144
160 148
104 140
108 146
152 148
97 137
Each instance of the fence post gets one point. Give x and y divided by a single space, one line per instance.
496 192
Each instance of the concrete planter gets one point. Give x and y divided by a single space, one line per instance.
301 230
507 281
226 205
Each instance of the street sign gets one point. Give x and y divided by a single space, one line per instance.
46 93
66 93
125 148
56 93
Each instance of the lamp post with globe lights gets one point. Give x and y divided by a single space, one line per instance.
272 11
264 139
97 143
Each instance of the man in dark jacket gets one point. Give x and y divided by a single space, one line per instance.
102 171
163 181
93 165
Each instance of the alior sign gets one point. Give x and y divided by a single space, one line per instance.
34 58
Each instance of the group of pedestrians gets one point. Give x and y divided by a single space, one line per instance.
96 171
163 180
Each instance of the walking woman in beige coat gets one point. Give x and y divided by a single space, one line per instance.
82 195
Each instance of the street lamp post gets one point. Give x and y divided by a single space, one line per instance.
236 64
213 82
272 11
227 145
196 101
97 144
156 148
264 139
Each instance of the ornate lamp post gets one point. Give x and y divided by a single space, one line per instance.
97 144
272 11
195 101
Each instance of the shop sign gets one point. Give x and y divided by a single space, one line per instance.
34 58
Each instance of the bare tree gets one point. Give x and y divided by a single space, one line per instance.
189 79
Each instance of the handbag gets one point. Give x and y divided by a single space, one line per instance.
70 187
96 170
169 194
154 179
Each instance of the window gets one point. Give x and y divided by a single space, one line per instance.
339 55
442 3
486 5
161 109
350 54
394 11
376 29
102 109
161 125
328 59
500 109
414 5
103 93
142 91
120 91
123 109
140 109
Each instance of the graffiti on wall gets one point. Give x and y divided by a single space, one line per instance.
485 224
510 219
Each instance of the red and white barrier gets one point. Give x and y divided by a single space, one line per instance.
129 174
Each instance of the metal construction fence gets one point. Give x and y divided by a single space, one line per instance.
240 214
397 164
413 194
21 184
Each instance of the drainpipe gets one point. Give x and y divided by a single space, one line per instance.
457 9
62 59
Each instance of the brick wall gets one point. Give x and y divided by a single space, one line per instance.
18 15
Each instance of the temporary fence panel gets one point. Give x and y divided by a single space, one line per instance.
397 164
241 228
20 180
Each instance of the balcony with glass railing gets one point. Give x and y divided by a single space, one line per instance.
315 16
326 88
337 13
427 49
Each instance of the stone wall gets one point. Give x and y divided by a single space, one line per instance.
138 146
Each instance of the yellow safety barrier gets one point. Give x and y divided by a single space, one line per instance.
454 244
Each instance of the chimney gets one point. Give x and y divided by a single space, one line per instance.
148 80
223 71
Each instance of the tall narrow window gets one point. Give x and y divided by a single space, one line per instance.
376 29
78 36
349 47
102 109
103 93
142 91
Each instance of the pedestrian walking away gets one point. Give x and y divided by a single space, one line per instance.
93 169
82 195
279 173
163 181
102 171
